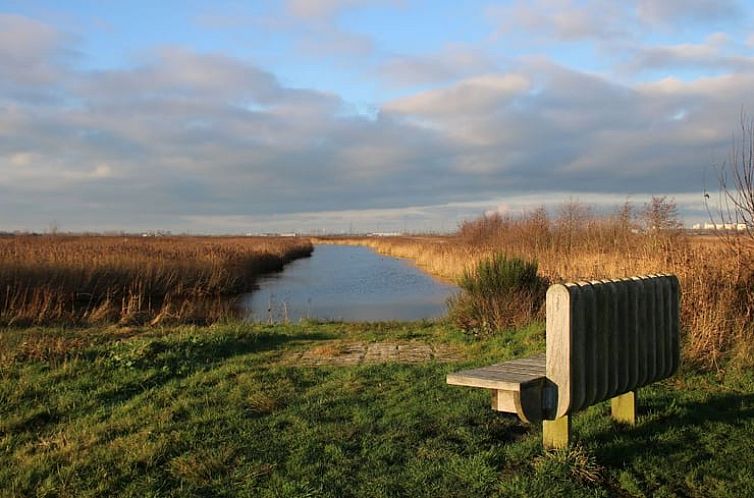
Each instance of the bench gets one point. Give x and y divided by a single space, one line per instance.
604 340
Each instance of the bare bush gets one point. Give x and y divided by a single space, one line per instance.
736 181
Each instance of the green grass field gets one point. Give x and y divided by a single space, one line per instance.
223 411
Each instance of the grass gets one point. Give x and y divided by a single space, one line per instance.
217 411
103 279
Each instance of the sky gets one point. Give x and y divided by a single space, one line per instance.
361 115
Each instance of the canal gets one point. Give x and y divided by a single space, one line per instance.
347 283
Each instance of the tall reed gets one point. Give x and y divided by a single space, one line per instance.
94 279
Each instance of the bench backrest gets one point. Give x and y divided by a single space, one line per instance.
608 337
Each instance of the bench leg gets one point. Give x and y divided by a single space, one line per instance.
623 408
556 433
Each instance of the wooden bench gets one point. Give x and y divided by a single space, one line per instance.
605 339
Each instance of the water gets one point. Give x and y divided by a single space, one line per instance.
347 283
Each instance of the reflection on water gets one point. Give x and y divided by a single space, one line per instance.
348 283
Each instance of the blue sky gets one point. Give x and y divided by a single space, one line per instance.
377 115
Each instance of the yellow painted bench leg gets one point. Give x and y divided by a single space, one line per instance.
556 433
623 408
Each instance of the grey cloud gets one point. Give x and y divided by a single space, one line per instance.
177 73
565 20
674 12
185 136
617 24
470 96
710 55
317 9
583 132
327 40
33 56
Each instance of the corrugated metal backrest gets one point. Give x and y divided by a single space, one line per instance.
608 337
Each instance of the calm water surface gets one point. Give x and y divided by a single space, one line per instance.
349 283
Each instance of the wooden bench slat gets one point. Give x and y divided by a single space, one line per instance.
668 325
559 345
656 338
534 364
634 289
499 375
578 354
601 338
517 369
675 322
612 325
509 376
621 327
538 359
665 326
652 335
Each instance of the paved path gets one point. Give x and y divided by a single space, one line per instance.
354 353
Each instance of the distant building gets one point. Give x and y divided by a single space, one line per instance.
384 234
157 233
737 227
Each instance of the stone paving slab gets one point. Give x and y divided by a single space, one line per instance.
344 353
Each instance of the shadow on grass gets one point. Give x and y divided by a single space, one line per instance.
158 362
677 429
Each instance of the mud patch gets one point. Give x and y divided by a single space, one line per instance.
342 353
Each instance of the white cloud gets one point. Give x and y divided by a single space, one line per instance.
470 96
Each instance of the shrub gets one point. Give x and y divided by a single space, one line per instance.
498 293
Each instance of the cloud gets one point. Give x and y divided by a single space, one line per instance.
616 24
33 56
330 41
442 217
564 20
676 11
190 140
450 63
177 73
470 96
712 54
318 9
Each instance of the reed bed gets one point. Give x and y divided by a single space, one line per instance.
717 276
99 279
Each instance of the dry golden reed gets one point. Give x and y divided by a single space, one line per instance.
96 279
717 278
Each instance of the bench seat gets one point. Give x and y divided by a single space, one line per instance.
516 385
508 376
